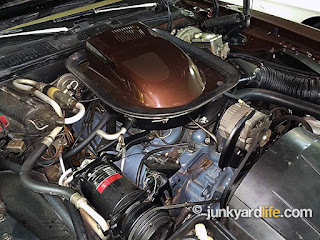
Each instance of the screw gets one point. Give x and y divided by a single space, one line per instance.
6 236
207 141
2 218
220 83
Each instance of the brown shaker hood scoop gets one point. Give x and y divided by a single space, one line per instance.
139 73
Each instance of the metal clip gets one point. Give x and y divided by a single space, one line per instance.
121 146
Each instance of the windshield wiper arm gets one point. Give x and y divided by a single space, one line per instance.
36 32
143 5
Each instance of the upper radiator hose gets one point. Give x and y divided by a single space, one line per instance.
295 86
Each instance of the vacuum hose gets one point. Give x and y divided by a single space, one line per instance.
89 138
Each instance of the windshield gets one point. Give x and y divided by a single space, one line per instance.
11 9
21 14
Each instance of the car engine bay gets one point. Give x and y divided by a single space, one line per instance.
137 123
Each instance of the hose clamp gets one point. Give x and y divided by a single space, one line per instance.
48 140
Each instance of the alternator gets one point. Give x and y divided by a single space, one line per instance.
252 128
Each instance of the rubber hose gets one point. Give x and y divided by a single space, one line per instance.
215 8
60 209
146 156
292 85
137 139
41 187
54 201
127 125
280 99
9 165
77 221
105 118
224 20
129 141
280 120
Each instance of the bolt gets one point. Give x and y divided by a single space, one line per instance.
203 120
220 83
6 236
2 205
207 141
2 218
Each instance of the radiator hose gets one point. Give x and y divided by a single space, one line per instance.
304 88
255 94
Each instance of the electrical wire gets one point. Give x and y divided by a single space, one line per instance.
89 100
164 136
170 145
146 156
209 133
